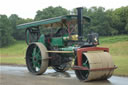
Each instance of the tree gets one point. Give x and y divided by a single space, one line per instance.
5 31
51 12
99 21
111 18
18 34
121 19
126 27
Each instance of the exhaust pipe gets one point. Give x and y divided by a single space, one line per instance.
80 23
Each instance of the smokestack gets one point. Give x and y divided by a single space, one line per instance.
80 22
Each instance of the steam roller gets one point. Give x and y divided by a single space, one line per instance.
63 41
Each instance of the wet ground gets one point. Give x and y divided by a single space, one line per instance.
17 75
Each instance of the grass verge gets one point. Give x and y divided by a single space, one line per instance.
17 49
12 60
121 62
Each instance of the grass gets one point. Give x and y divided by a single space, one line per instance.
18 49
122 63
12 60
113 39
13 54
118 46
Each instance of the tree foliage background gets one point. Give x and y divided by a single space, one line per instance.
105 22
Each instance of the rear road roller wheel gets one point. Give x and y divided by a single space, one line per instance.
36 58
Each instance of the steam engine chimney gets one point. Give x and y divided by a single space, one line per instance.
80 23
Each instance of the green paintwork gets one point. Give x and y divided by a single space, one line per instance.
50 21
42 39
58 41
36 57
67 48
85 64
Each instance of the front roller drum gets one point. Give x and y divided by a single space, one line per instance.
37 58
98 64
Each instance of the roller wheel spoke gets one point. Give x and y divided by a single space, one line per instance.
85 64
36 57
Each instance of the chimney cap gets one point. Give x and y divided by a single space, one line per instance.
79 8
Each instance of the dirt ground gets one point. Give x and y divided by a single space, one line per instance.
11 75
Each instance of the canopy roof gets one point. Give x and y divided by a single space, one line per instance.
53 21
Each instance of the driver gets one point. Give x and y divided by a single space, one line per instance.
61 32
